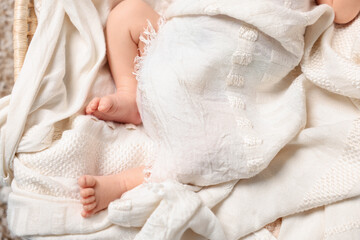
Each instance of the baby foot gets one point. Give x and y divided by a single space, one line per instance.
98 191
119 107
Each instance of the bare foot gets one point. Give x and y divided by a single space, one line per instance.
98 191
119 107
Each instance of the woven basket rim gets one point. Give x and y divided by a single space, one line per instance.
24 25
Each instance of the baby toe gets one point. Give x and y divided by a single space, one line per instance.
89 207
88 110
94 103
86 214
81 181
86 181
92 106
87 200
87 192
105 104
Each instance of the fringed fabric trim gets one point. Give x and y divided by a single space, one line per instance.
146 37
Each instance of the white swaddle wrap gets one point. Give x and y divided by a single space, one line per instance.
213 90
224 75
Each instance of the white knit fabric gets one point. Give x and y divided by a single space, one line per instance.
298 128
89 146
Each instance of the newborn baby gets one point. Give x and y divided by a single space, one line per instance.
125 25
126 22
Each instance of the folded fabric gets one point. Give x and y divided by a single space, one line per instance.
46 91
304 122
221 85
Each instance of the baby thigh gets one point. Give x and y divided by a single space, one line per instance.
125 24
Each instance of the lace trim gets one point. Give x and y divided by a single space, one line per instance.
146 37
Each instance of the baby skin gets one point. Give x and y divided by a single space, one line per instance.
125 24
345 10
98 191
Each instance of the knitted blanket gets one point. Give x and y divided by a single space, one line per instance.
298 109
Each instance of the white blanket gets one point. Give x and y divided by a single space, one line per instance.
314 150
226 94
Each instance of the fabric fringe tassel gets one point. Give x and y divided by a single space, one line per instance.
146 37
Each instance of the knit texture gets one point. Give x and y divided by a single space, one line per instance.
338 181
268 109
89 147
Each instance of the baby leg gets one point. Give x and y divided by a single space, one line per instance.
125 24
98 191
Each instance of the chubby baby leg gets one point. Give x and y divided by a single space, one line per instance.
98 191
126 23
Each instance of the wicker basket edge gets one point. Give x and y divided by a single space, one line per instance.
24 25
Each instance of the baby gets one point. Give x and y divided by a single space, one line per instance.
345 10
125 25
